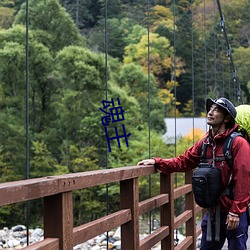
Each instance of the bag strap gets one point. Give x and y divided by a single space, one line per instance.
217 223
209 225
227 148
227 151
203 152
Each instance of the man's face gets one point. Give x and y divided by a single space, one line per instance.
215 116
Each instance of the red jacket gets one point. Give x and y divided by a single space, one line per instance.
241 167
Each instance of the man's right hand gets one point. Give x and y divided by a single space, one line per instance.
146 162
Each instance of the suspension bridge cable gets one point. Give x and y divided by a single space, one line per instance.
215 52
229 83
27 89
174 80
106 82
229 52
192 73
77 13
27 207
149 121
205 49
175 95
221 68
106 61
174 71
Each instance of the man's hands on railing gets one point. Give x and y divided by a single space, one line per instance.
146 162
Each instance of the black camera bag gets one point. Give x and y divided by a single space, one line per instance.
206 181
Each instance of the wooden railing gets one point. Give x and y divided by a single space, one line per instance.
59 232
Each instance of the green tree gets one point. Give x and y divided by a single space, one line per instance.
13 60
53 25
161 16
12 113
84 13
42 162
132 78
117 32
237 21
161 57
124 8
242 64
40 67
79 72
13 148
6 17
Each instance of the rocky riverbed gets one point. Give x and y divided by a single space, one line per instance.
16 238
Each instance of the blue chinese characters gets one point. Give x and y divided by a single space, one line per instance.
113 114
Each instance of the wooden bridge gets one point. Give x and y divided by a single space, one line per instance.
56 192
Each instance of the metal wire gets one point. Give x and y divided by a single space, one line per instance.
106 82
205 50
27 207
192 77
174 73
215 51
229 54
149 121
175 107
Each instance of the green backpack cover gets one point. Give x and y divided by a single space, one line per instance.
243 119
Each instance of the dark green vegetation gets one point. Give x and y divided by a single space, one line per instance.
68 72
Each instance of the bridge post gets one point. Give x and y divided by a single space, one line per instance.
167 210
58 219
190 205
129 198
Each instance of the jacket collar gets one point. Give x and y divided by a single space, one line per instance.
221 136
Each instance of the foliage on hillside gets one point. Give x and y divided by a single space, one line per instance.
74 65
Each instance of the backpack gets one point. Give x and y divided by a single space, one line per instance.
206 179
243 120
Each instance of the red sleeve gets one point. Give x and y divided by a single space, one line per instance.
183 163
241 175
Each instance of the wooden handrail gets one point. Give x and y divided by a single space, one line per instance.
56 191
24 190
90 230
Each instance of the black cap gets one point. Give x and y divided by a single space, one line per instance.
223 103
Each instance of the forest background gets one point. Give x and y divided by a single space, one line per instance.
160 59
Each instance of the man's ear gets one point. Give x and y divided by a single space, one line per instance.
228 118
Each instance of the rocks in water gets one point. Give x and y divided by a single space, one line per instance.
113 242
16 238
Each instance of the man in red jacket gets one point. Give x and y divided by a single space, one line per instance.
221 115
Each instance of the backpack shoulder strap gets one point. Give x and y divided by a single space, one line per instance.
227 148
203 152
